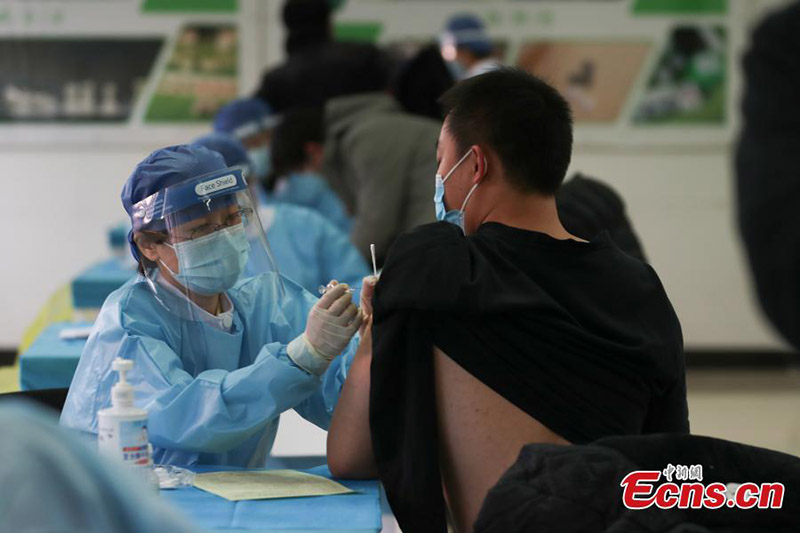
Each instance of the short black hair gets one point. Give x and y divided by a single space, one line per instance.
519 116
298 126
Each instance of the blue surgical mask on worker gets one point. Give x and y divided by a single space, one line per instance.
261 159
211 264
454 216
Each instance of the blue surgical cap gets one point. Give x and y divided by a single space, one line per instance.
231 149
161 169
244 117
467 30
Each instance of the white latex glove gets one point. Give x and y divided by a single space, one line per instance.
331 324
333 321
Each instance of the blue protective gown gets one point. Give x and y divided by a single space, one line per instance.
311 191
309 249
212 396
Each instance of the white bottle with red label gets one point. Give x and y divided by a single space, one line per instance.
122 428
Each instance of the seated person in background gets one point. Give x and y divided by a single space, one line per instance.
467 47
297 162
421 81
307 248
587 206
497 327
218 355
251 121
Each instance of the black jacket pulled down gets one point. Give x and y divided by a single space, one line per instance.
576 489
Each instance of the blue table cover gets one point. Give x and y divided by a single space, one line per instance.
50 362
91 288
359 512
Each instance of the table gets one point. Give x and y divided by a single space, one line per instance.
358 513
50 362
91 288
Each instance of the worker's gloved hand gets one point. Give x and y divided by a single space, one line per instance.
333 321
331 324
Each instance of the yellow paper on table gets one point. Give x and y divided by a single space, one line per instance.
267 484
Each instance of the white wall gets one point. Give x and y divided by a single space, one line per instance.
58 205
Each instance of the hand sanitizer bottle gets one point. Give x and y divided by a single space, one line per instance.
122 428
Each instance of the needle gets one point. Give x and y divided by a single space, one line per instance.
374 262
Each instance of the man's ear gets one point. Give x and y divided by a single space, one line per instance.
480 167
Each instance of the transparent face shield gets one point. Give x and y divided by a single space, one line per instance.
201 239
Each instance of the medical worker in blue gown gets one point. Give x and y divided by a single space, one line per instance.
218 356
307 248
252 122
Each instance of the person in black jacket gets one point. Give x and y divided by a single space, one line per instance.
587 206
318 68
420 82
768 168
574 489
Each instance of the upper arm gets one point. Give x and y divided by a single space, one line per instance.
319 407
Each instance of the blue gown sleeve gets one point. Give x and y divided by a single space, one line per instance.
216 410
318 407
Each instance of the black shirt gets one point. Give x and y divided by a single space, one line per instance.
579 335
